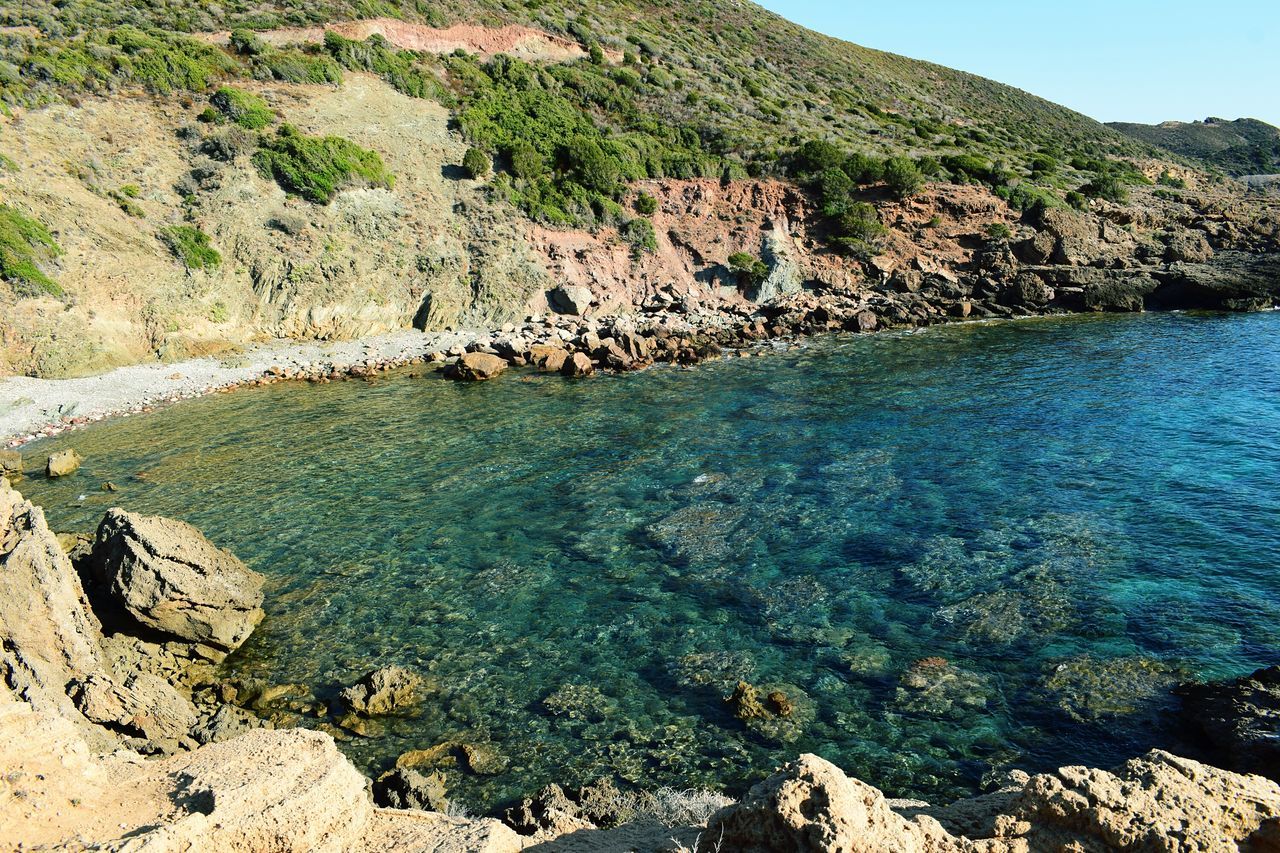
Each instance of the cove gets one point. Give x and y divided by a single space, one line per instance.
978 547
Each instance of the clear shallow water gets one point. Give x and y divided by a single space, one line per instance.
1073 513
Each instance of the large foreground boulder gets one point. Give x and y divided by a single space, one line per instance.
1158 802
169 577
264 791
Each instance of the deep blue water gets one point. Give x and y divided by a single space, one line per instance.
1074 514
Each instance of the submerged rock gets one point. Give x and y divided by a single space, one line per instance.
1088 689
476 367
63 463
404 788
169 577
388 690
1241 718
780 715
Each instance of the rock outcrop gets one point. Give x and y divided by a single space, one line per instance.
11 465
1241 719
169 577
264 791
1158 802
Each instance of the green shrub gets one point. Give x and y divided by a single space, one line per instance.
1028 197
130 191
999 231
405 70
863 169
164 62
816 155
646 205
1042 166
833 187
968 166
592 167
526 162
1168 180
191 246
902 177
640 234
751 271
476 163
1107 185
297 66
244 108
24 245
316 168
1077 200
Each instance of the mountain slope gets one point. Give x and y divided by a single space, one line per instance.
1245 146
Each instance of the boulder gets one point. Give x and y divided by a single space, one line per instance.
810 805
1189 247
567 299
476 367
49 637
404 788
145 707
11 465
63 463
1241 719
388 690
579 364
548 359
169 577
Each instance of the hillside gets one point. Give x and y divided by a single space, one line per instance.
1245 146
180 179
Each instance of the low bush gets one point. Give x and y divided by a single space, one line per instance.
640 234
476 163
646 205
317 167
25 244
750 270
903 177
191 246
244 108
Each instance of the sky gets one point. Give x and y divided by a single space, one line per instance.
1123 60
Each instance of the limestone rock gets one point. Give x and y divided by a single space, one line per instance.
11 465
476 367
570 300
1188 246
405 788
169 577
1241 718
548 359
63 463
48 635
224 724
809 806
388 690
579 364
143 707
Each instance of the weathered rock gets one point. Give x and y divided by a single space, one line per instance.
1188 247
810 805
144 707
63 463
11 465
225 723
476 367
404 788
266 792
388 690
48 635
579 364
1241 718
169 577
548 359
570 300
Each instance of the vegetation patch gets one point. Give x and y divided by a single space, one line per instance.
318 167
244 108
191 246
24 245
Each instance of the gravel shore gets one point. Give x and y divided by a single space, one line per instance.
35 408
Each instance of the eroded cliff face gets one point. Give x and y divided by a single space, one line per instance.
440 250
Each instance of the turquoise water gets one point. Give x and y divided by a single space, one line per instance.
1074 514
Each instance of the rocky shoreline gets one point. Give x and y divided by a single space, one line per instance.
668 330
110 644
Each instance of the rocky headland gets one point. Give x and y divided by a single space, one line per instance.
117 733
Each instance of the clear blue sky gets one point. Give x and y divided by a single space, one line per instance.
1123 60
